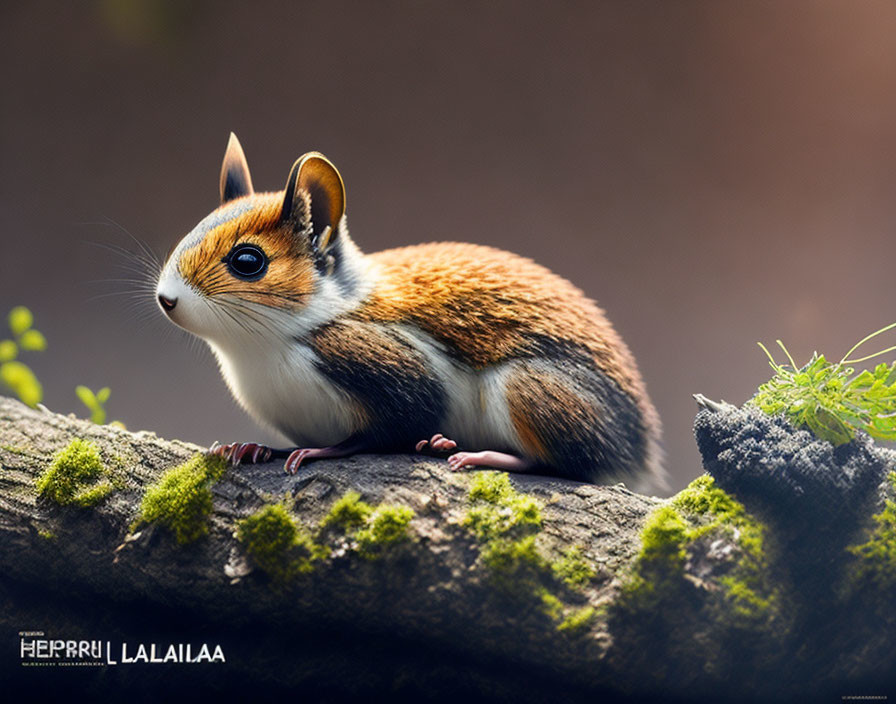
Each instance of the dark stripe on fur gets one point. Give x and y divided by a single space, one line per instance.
387 376
588 426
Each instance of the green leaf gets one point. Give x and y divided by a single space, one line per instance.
20 319
33 340
94 402
86 396
853 420
9 350
98 416
22 381
831 399
829 427
863 380
891 375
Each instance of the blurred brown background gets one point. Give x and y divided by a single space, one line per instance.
713 173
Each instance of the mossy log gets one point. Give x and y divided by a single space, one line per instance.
770 576
421 615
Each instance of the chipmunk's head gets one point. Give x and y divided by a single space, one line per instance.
262 258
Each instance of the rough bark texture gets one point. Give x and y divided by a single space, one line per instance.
425 616
781 587
830 515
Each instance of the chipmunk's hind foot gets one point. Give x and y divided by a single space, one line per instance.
491 459
438 446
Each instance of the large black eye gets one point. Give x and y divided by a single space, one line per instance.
246 261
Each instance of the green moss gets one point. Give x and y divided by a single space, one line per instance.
76 476
371 530
573 568
875 568
748 588
716 510
386 526
274 542
699 510
181 500
746 599
663 542
94 494
511 557
507 524
724 609
579 621
498 508
492 487
47 534
347 512
703 498
551 605
658 576
731 612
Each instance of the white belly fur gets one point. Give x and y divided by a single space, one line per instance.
283 389
477 416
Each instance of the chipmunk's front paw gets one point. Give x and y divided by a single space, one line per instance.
294 461
238 452
436 445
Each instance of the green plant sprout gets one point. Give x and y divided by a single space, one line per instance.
15 374
19 377
830 399
94 402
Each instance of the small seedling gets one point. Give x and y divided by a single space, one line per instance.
831 399
15 374
94 402
22 381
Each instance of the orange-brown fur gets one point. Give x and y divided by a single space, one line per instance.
289 278
486 305
536 400
478 300
394 346
482 302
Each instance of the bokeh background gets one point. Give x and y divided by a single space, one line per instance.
713 173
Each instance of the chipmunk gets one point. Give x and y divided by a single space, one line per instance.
444 347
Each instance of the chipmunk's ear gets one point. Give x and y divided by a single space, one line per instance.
314 189
235 178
